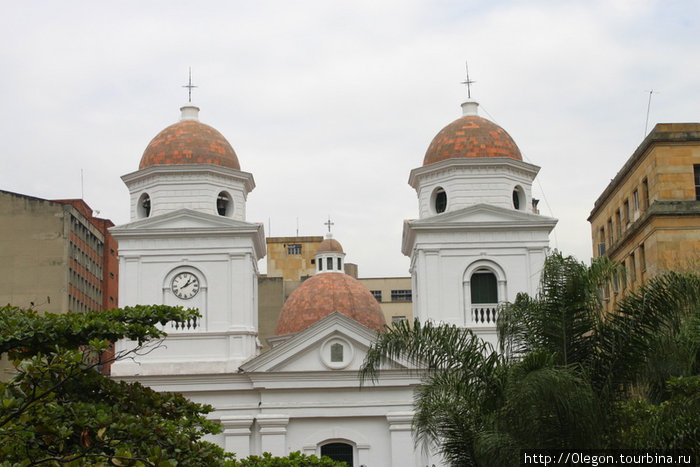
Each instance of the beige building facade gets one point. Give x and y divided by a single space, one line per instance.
648 218
55 256
394 295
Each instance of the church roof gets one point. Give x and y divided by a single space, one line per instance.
471 136
189 142
321 295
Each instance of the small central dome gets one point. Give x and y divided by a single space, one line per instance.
189 142
329 245
471 136
321 295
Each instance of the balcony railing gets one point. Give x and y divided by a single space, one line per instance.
190 325
484 314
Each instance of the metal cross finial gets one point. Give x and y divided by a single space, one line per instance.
189 86
329 223
468 82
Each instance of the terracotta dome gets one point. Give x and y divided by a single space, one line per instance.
471 136
189 142
321 295
329 245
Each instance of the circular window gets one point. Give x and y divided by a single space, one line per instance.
439 200
224 204
518 198
143 207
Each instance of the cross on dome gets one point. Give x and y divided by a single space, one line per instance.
329 224
468 82
189 87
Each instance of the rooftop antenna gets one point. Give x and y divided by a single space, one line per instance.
646 125
189 87
329 223
297 226
468 81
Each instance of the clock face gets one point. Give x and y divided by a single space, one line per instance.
185 285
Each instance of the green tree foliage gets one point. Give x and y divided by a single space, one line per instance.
58 410
672 424
294 459
565 372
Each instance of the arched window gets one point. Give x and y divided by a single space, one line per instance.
484 287
336 352
341 452
519 198
143 208
224 204
439 200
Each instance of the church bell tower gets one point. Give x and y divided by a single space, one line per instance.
188 244
478 239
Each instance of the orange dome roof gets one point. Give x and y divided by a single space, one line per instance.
329 245
471 136
321 295
189 142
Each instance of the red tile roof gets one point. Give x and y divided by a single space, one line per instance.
189 142
471 136
321 295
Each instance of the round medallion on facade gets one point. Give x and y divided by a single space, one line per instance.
321 295
471 136
189 141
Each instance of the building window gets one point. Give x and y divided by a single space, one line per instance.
329 264
645 193
626 211
484 288
642 258
340 264
618 223
635 199
377 294
633 268
320 264
439 200
398 319
616 283
696 169
224 204
294 249
143 207
341 452
401 296
601 242
336 352
610 232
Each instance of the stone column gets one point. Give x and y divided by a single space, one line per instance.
273 433
237 434
402 452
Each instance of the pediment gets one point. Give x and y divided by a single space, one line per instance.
183 219
311 350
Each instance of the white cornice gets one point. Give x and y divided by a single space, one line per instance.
245 178
470 163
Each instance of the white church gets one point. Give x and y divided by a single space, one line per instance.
478 241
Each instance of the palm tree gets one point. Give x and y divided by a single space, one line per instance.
563 367
566 320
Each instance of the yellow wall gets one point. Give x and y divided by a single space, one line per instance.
280 263
664 232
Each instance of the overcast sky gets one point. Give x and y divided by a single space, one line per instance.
330 104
